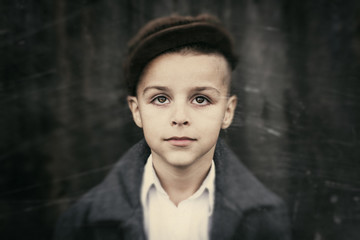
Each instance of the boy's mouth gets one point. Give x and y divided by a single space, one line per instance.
180 141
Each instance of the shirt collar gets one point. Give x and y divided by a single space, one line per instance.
150 180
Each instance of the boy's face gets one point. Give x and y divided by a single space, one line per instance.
182 103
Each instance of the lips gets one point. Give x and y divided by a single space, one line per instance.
180 141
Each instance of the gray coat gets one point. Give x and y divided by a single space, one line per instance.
244 209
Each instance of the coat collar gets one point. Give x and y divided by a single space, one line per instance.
237 191
117 198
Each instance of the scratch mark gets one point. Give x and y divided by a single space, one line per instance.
273 132
252 90
341 186
71 177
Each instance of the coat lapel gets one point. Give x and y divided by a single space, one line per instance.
116 201
237 191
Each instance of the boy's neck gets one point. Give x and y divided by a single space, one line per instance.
180 183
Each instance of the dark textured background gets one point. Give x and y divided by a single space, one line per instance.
64 121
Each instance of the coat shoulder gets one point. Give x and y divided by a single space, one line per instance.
112 202
251 211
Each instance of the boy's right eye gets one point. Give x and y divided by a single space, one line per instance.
159 100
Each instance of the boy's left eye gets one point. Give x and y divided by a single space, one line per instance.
160 100
200 100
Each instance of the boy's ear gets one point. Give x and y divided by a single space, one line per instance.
229 113
134 107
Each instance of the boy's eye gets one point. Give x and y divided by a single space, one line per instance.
160 100
200 100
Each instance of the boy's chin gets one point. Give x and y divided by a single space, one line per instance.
181 160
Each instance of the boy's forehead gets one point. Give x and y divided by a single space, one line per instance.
175 68
207 60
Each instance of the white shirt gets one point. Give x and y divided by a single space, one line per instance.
163 220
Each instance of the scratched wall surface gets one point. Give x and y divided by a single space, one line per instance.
64 121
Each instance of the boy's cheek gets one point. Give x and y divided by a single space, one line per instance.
161 118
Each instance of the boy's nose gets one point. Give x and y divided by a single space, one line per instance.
180 123
179 117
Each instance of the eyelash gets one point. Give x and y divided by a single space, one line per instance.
205 100
156 100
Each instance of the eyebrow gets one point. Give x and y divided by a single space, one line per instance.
160 88
200 89
195 89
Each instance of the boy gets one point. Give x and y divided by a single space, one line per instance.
181 182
